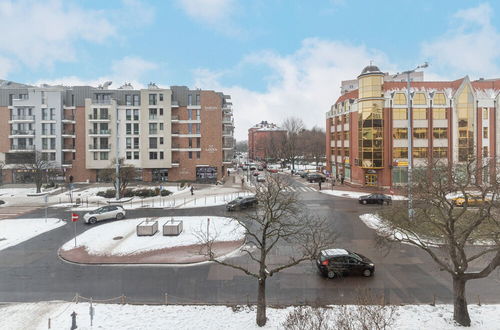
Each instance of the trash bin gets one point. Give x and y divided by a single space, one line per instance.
78 200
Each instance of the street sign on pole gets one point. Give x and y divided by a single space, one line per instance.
74 219
46 198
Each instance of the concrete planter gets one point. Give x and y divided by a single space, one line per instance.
147 228
172 228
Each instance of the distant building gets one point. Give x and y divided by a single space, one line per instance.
263 140
168 134
367 135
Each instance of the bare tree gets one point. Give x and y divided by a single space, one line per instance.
278 220
291 147
127 173
455 206
312 143
242 146
37 164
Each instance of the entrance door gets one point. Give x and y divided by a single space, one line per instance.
371 179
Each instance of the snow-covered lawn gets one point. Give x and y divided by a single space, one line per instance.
354 194
99 240
15 231
113 316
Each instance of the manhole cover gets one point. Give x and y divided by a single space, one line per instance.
117 238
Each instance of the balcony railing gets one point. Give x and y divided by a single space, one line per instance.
48 132
100 147
68 132
69 146
101 101
23 132
175 103
227 145
69 117
100 131
22 147
67 162
227 132
100 117
22 117
175 117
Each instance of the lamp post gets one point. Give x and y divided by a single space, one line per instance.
117 157
410 134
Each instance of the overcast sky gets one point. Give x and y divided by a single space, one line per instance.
277 58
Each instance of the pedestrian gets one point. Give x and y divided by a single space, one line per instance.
228 173
319 182
192 190
242 182
341 179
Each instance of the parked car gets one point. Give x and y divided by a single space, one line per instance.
338 262
375 199
260 168
244 167
272 170
253 167
315 177
242 203
261 178
472 200
104 213
255 173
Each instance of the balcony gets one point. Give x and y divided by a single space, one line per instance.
100 117
48 132
67 163
227 120
175 104
99 132
47 118
68 133
21 118
175 163
69 119
101 101
68 148
227 132
175 118
227 145
22 133
19 147
93 147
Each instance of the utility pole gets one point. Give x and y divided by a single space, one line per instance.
117 157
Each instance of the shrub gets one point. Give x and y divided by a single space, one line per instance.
51 184
147 192
166 192
110 193
183 183
128 193
2 202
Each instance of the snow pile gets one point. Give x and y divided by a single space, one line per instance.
110 316
100 239
354 194
15 231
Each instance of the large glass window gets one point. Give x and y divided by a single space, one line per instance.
485 132
485 113
439 99
439 113
400 133
419 99
440 132
400 152
370 133
370 86
400 98
400 175
420 152
465 109
399 114
420 133
419 114
440 152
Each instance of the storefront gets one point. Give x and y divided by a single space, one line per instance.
160 174
371 178
206 174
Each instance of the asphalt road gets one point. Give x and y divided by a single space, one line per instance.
31 271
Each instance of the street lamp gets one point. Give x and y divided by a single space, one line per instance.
410 135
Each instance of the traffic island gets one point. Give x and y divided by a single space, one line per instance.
118 243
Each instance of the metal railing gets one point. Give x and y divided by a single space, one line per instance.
101 101
99 147
23 132
100 131
48 132
22 117
175 117
68 132
100 117
22 147
69 117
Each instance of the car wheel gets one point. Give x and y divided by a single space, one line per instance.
367 273
364 202
119 216
330 274
387 202
92 220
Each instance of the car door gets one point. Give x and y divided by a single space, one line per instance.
355 266
105 212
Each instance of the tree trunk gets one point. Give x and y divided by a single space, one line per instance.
261 303
460 311
38 182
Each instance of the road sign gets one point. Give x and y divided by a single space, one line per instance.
74 217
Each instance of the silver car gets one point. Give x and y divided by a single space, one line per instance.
103 213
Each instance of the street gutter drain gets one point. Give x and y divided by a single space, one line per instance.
117 238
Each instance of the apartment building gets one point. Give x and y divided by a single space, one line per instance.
263 139
168 134
367 127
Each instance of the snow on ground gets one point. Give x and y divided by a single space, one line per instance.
355 194
15 231
113 316
99 240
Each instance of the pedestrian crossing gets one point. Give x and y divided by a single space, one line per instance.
10 212
299 189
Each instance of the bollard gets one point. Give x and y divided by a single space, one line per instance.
142 202
49 323
478 300
77 297
205 200
215 198
195 201
166 299
433 300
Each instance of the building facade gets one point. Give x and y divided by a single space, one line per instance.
263 140
168 134
367 127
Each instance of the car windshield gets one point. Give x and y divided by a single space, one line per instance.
99 210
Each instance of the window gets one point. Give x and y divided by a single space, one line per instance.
161 111
128 114
104 155
419 114
152 99
198 154
439 99
95 155
128 99
136 114
136 154
129 155
128 129
45 114
137 100
161 154
161 140
439 113
190 128
128 143
400 98
440 132
153 155
420 152
346 152
161 126
197 114
190 99
136 143
190 155
440 152
136 128
197 128
400 153
400 114
190 142
485 132
197 99
400 133
153 114
198 142
190 114
485 113
420 133
400 175
419 99
485 151
153 128
161 97
153 143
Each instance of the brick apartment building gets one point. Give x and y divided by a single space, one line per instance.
167 134
262 138
367 135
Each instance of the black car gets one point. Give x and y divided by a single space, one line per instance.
338 262
315 177
375 199
242 203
